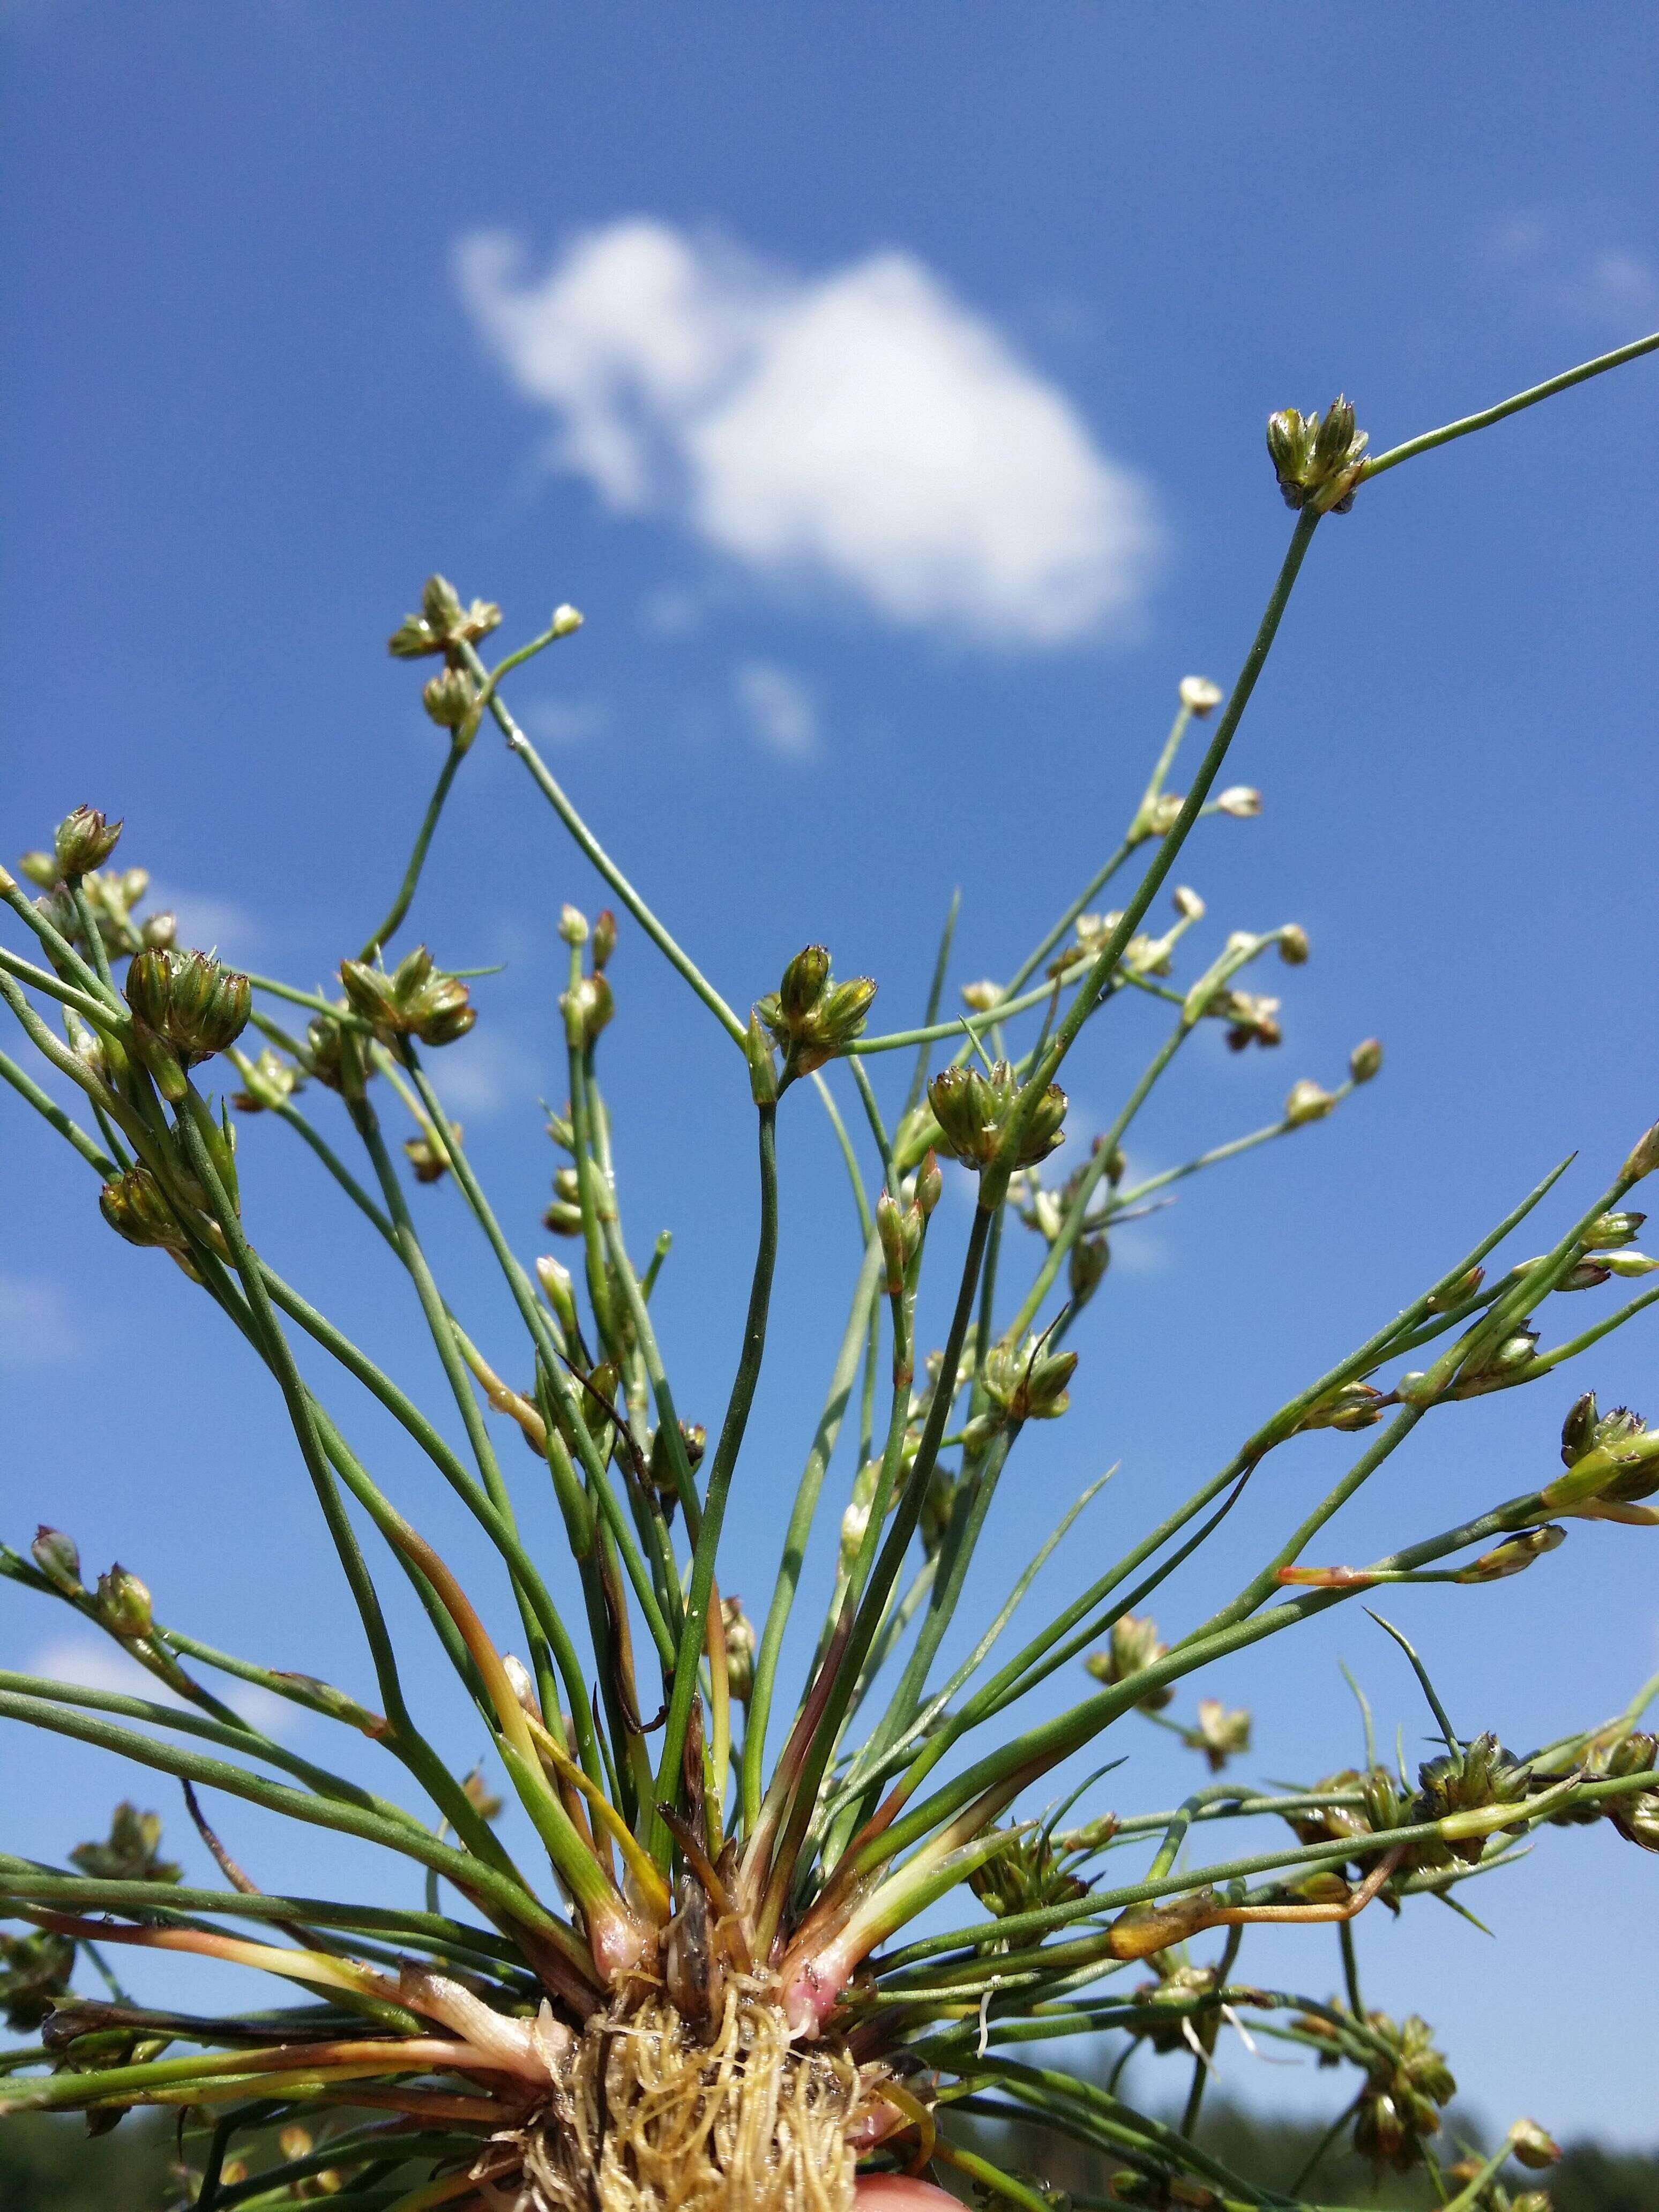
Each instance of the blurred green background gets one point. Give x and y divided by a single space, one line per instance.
48 2164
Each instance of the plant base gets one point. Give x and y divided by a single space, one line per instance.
655 2118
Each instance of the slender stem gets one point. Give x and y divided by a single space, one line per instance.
76 886
497 1522
435 807
90 1009
440 1328
861 1632
1350 1968
801 1517
235 1736
1202 2057
992 2180
1166 759
1429 439
58 950
275 1347
518 743
1122 1199
1099 976
1311 2164
323 1450
536 1321
285 1110
342 1015
1264 1585
598 1291
934 1032
850 1157
961 1538
1071 1226
49 1110
935 993
1547 1360
865 1766
878 1127
1046 944
407 1837
670 1782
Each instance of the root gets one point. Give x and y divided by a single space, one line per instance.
652 2118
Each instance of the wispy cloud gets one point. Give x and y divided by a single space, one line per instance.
93 1664
863 429
779 709
481 1074
670 614
209 922
566 721
1568 270
37 1329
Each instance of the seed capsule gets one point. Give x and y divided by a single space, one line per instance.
188 1001
83 840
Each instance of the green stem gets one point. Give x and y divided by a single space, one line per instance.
536 1321
861 1632
49 1110
865 1766
323 1448
669 1782
1547 1360
1121 1200
801 1517
342 1015
935 993
90 1009
1315 2157
76 886
1471 2193
1201 2059
1350 1968
1046 944
498 1525
58 950
1263 1585
936 1032
280 1359
1164 859
229 1738
878 1127
518 743
410 1840
435 807
1444 436
850 1157
961 1538
440 1328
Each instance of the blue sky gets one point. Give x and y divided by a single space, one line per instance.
887 388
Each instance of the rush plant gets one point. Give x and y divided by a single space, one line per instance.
703 1985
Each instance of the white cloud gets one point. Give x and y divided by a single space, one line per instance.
36 1328
482 1073
1617 284
207 923
566 721
670 614
1600 283
863 429
780 709
93 1664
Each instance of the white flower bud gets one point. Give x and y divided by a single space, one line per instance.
1239 800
